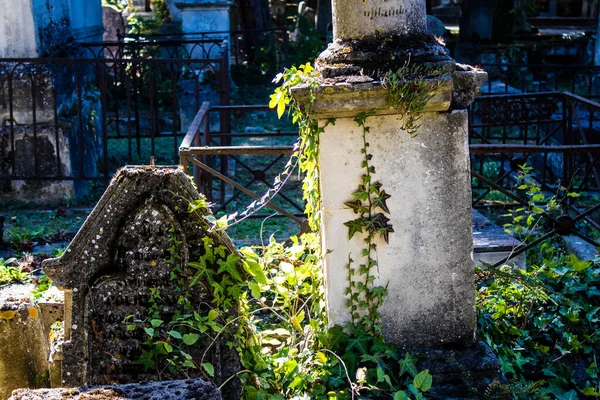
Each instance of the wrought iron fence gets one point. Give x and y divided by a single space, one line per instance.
204 48
583 80
247 170
558 134
243 44
79 119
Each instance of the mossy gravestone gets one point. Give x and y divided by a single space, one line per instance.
142 255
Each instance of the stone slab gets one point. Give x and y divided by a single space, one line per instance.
17 26
582 249
348 100
427 265
166 390
491 244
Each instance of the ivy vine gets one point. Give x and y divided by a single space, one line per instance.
370 204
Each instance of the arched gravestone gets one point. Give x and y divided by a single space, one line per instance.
120 254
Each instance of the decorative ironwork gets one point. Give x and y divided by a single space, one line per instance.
493 110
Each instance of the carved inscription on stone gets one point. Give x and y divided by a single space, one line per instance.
370 18
140 265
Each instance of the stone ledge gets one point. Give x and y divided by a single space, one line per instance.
346 100
166 390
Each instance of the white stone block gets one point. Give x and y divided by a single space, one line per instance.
427 265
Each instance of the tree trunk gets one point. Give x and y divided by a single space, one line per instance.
253 14
323 17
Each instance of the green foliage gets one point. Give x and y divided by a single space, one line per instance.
370 204
290 352
410 89
309 131
42 284
173 346
542 322
10 272
21 240
136 24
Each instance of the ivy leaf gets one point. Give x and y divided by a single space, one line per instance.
570 395
590 391
408 365
354 226
361 343
355 206
381 201
230 266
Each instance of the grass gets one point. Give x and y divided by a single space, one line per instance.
41 225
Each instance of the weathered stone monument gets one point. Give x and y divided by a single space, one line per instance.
427 266
205 16
137 242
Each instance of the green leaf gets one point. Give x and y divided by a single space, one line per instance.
400 395
590 391
175 334
149 331
208 367
190 338
423 381
167 347
361 343
296 382
354 226
156 323
254 269
408 365
254 290
230 266
570 395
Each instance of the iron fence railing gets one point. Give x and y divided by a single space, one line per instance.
555 133
204 48
583 80
227 157
558 135
80 119
243 44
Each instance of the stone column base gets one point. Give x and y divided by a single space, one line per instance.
461 371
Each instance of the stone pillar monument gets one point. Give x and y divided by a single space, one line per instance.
427 266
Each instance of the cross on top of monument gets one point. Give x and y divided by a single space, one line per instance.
365 19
